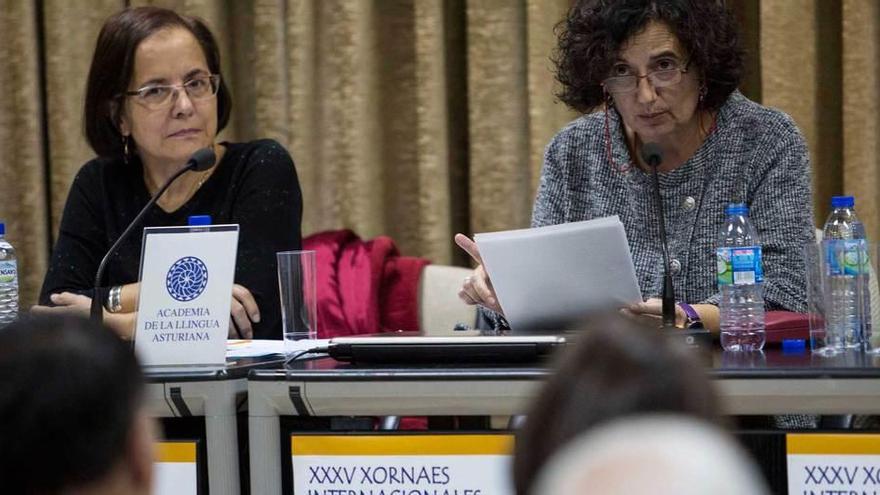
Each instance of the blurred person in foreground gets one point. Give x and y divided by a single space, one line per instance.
155 95
616 369
72 416
653 454
667 72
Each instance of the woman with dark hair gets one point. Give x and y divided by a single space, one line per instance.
616 370
666 72
155 95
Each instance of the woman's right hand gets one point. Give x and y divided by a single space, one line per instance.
477 288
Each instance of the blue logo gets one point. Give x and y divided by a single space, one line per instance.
186 279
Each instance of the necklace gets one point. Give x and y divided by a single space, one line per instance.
171 205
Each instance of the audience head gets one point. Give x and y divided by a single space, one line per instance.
144 47
72 416
656 454
618 368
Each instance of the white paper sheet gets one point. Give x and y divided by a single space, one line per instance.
236 348
551 274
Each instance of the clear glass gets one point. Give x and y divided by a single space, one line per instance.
818 292
298 292
871 298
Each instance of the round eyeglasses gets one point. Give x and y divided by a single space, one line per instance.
659 79
157 96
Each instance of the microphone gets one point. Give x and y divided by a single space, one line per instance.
652 155
200 161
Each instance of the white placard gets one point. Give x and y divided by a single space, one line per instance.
833 464
175 478
175 470
185 294
401 464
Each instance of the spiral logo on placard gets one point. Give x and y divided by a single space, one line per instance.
186 279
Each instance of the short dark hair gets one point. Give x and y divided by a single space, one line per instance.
113 64
618 368
591 36
68 397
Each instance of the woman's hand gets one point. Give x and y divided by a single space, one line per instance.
66 303
243 313
651 311
477 288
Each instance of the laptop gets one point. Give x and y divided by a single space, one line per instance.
482 349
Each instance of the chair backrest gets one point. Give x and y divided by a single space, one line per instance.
440 309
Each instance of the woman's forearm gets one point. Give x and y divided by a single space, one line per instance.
121 323
710 317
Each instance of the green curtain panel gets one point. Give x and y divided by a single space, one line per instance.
415 119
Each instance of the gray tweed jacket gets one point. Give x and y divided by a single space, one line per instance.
756 155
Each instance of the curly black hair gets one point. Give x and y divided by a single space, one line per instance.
592 34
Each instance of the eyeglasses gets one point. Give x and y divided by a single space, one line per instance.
659 79
157 96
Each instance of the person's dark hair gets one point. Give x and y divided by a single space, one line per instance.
68 397
617 368
113 65
592 34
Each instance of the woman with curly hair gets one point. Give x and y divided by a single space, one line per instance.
666 72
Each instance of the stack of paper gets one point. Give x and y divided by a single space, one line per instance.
551 274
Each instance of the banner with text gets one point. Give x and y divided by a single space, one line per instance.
185 294
175 471
833 464
401 464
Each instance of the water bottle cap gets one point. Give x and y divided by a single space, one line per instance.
737 209
195 220
793 346
2 228
843 201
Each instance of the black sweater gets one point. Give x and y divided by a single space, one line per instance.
255 185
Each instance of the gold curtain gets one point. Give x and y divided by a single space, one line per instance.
23 201
820 62
411 118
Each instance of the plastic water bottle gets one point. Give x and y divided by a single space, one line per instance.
740 280
846 268
8 279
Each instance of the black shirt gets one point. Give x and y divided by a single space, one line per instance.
255 185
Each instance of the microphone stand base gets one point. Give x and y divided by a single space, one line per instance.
698 338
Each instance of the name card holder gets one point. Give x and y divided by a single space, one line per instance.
186 282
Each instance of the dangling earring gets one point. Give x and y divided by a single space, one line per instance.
125 149
704 90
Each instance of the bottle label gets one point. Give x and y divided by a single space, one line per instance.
8 272
740 266
847 256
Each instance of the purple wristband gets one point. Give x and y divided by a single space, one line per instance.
693 318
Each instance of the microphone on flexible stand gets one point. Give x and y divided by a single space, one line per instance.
652 155
694 337
201 160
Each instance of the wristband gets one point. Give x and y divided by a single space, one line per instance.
692 317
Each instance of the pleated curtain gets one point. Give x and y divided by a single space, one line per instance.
415 119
